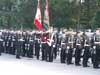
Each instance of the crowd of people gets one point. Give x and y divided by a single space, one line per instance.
47 46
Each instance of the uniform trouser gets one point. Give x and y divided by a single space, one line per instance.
37 50
7 49
13 50
50 50
95 57
30 53
24 52
46 52
77 55
95 60
86 56
55 52
4 49
0 49
63 56
43 51
69 56
18 53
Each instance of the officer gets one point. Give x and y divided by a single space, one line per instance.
69 51
37 48
63 49
96 52
78 49
13 48
18 45
4 41
86 52
7 42
9 46
31 45
50 46
47 52
55 45
1 41
44 52
23 46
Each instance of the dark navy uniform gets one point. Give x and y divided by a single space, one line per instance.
18 46
69 48
63 49
96 52
78 51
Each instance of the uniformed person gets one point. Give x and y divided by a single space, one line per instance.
18 45
63 49
37 48
69 50
86 52
96 52
55 46
78 49
31 45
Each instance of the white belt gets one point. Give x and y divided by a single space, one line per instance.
97 42
86 45
63 43
78 44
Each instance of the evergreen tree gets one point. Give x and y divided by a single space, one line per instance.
88 10
96 20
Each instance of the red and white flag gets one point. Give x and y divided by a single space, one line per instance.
37 20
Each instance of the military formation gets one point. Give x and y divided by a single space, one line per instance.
72 47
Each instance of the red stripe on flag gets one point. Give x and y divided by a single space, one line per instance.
38 24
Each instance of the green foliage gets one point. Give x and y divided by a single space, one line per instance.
96 20
19 14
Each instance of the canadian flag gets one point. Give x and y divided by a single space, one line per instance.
37 20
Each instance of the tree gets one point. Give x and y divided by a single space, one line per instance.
96 20
88 10
63 13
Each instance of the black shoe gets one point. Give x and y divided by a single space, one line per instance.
78 64
97 67
69 63
86 66
17 57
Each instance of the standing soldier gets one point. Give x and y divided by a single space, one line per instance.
78 49
13 45
1 41
7 42
37 48
63 49
55 45
69 51
86 52
4 43
96 52
31 42
18 45
44 47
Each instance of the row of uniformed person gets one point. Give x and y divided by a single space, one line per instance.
25 44
17 43
67 44
80 46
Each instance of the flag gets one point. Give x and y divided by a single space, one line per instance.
46 16
43 38
37 20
